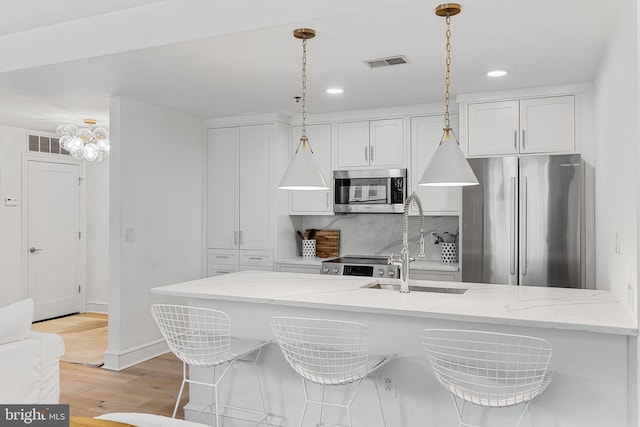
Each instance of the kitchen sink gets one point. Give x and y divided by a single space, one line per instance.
414 288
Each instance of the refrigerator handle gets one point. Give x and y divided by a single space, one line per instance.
512 224
523 225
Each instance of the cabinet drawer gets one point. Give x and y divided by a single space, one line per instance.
295 268
256 258
222 257
220 270
255 268
430 275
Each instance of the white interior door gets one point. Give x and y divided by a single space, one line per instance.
54 253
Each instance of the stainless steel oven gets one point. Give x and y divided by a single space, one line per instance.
370 191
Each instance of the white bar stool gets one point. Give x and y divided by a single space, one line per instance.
488 369
200 337
329 353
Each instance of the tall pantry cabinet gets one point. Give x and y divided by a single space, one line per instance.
239 198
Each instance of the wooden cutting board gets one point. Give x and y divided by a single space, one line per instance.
327 243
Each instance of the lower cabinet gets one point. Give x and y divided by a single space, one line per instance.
225 261
442 276
297 268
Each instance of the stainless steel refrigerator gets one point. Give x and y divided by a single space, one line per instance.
523 225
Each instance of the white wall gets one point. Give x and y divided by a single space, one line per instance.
12 146
616 113
156 179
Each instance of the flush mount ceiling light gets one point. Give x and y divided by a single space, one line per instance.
448 167
303 172
89 143
335 91
497 73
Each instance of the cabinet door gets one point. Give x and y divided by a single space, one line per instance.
222 188
314 202
426 133
386 145
256 186
493 128
547 125
353 144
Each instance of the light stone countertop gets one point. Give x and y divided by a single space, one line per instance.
557 308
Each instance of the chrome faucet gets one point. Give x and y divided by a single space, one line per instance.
403 260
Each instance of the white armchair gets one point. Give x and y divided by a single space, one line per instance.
29 361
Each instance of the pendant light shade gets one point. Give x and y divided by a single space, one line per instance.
303 172
448 166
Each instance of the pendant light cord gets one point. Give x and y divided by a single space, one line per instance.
447 80
304 138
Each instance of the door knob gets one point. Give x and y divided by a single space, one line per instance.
34 250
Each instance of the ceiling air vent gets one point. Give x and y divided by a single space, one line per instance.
384 62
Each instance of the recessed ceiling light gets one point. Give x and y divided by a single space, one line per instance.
335 91
497 73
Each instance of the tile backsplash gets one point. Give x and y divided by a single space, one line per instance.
381 234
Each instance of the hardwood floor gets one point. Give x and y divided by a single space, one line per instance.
150 387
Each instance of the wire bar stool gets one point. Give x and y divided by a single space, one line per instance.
200 337
328 353
488 369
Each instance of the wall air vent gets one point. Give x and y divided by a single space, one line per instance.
384 62
44 144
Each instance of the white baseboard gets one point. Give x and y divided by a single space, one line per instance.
132 356
96 307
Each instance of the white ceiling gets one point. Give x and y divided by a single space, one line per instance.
64 59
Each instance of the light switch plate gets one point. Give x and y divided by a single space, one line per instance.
11 202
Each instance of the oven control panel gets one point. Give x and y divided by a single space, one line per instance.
362 270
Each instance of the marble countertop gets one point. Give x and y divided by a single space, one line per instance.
418 264
558 308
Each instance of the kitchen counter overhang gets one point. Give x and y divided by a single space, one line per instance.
542 307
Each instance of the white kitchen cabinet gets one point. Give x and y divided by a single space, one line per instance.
442 276
314 202
370 143
525 126
239 196
298 268
426 133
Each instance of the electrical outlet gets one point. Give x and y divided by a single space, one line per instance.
388 385
130 234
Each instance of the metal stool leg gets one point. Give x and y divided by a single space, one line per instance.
184 381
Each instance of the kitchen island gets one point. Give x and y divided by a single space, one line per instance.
589 330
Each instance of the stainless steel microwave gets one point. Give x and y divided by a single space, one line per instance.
370 191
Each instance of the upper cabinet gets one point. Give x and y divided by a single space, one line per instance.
426 133
524 126
370 143
314 202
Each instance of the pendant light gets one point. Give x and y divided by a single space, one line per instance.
448 166
303 172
